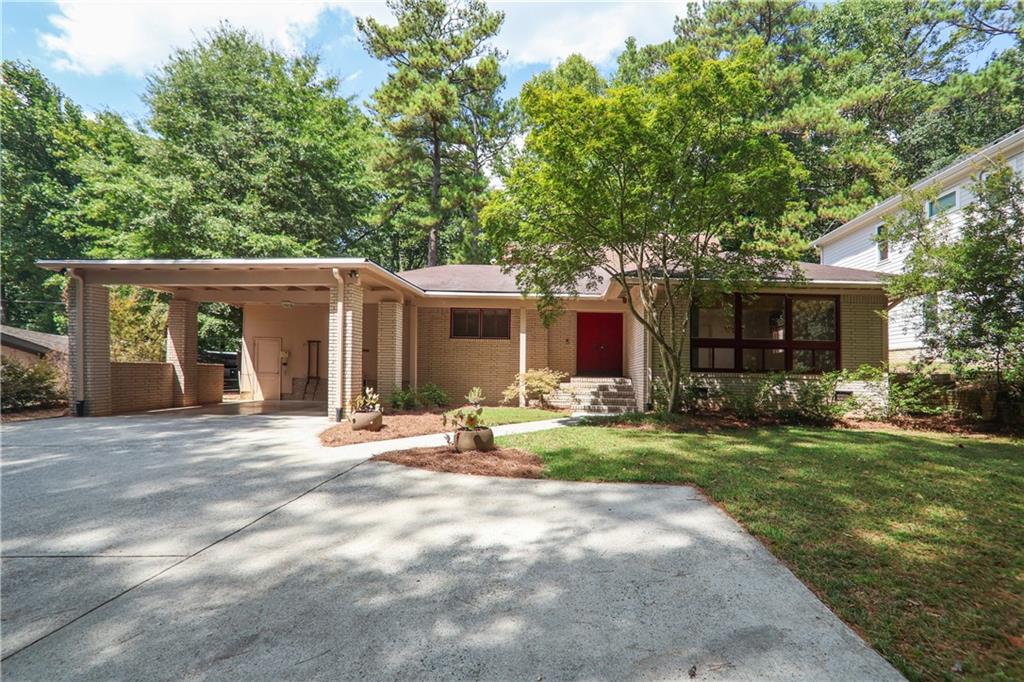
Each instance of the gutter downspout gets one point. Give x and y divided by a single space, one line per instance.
340 410
79 343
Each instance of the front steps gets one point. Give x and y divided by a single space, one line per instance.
596 395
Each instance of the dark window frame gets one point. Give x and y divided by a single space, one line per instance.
883 243
480 324
789 344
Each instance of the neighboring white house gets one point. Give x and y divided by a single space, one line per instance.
854 244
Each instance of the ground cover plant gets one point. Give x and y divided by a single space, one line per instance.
913 539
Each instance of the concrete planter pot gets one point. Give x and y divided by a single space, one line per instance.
366 421
477 439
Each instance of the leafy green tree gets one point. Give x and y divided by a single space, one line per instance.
443 122
674 191
40 133
257 155
975 280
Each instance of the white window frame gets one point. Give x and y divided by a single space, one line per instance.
956 203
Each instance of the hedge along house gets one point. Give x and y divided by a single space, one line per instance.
323 329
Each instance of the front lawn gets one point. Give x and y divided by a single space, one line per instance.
915 540
495 416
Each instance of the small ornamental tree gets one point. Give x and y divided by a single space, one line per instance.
969 277
670 187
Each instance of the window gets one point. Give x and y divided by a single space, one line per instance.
883 243
766 333
481 323
942 204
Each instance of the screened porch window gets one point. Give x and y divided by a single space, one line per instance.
766 333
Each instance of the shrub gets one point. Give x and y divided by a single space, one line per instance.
814 401
368 401
762 401
692 393
28 386
432 394
900 395
540 383
403 399
475 397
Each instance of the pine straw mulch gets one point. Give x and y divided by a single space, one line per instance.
396 425
504 462
33 414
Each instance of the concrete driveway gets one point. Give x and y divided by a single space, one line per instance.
232 546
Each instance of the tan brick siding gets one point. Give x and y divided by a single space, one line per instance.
457 365
389 347
94 341
183 349
352 347
636 357
903 357
334 352
210 380
139 386
562 343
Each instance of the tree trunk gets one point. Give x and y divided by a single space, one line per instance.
435 201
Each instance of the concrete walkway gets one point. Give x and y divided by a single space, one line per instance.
225 546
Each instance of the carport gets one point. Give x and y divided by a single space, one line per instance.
313 329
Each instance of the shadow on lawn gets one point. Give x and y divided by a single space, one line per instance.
914 539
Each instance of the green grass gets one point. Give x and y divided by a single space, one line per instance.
494 416
916 540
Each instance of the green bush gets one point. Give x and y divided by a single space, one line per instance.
815 401
403 399
900 395
432 395
540 383
475 397
23 387
763 401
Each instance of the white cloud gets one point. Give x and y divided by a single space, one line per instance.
546 33
96 37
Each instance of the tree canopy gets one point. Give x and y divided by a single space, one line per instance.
674 190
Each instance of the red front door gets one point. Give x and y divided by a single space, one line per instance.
599 344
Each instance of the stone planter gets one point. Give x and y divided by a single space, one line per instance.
477 439
366 421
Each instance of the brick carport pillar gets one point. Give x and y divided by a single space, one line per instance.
389 347
344 344
183 350
89 347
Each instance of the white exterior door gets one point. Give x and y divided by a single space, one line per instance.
267 359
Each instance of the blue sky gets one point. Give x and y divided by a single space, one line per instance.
99 53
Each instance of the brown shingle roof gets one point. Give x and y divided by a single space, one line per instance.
34 342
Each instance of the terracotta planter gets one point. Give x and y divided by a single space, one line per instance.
366 421
478 439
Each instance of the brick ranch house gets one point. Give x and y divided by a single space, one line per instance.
323 329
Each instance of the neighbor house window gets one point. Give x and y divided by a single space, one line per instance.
481 323
942 204
766 333
883 243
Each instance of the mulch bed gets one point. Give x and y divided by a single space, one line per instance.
396 425
505 462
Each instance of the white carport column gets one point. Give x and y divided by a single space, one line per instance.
183 350
89 348
522 357
389 347
344 346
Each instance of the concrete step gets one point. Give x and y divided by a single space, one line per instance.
605 409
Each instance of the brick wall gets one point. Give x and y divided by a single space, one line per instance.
389 347
334 352
183 349
352 347
457 365
91 345
210 381
636 357
562 343
139 386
